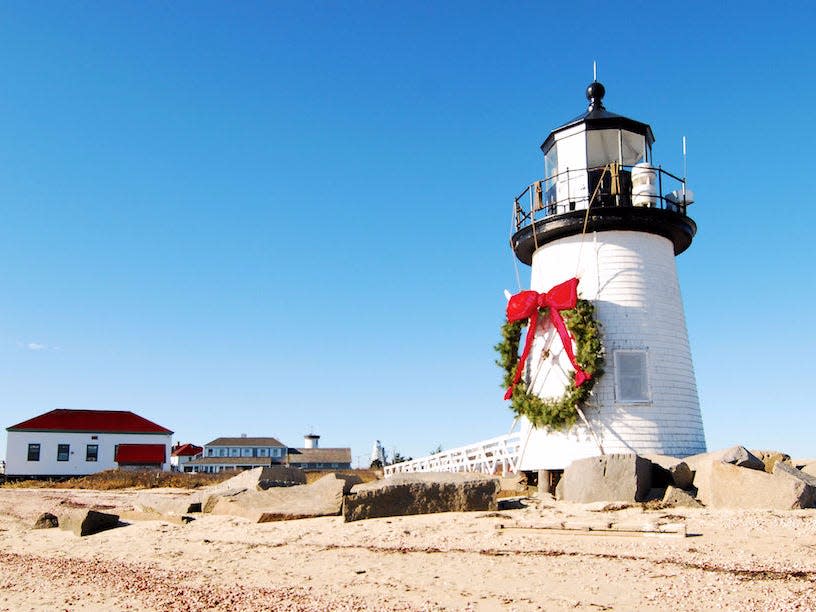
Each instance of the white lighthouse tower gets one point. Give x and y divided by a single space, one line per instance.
606 215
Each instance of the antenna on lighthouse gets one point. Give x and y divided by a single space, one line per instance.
684 165
594 71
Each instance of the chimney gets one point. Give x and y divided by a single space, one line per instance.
310 440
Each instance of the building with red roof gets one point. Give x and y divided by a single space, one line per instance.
67 442
184 453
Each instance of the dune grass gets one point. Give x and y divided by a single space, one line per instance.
110 480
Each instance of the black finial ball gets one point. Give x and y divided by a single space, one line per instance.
595 92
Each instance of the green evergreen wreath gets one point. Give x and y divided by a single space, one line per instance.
555 414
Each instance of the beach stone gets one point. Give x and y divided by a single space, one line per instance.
84 522
514 484
422 493
784 469
677 497
731 486
677 471
701 466
619 477
209 499
742 457
324 497
167 503
262 478
771 458
256 479
46 521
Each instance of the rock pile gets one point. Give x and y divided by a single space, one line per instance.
422 493
730 478
249 495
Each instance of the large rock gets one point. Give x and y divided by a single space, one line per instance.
84 522
514 484
742 457
783 468
262 478
621 477
323 497
771 458
422 493
46 521
701 465
209 499
679 498
168 503
677 471
736 487
256 479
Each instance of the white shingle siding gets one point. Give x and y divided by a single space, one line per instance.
631 278
17 451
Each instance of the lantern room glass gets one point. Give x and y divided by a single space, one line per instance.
621 146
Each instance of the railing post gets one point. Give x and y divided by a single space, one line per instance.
660 187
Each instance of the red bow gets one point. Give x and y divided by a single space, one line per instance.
525 305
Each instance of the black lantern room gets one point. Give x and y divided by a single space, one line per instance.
599 176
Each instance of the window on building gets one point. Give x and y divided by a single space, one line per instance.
210 452
246 452
631 380
222 452
33 452
235 452
92 452
63 451
262 452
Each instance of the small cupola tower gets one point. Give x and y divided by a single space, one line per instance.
606 214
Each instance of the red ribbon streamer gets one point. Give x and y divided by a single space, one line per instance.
525 305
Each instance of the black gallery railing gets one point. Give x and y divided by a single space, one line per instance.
606 186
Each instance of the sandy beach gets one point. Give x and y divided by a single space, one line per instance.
746 560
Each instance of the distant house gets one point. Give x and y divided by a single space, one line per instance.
67 442
311 457
183 454
238 454
320 458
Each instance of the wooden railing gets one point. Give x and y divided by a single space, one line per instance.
499 455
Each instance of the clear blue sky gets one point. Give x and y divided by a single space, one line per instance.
273 217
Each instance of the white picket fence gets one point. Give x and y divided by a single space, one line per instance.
499 455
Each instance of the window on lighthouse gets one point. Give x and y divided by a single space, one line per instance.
631 381
605 146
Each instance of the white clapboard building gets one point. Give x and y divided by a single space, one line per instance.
608 215
67 442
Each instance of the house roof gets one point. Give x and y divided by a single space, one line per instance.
245 442
187 450
140 453
299 456
97 421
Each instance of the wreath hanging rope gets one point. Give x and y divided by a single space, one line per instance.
557 413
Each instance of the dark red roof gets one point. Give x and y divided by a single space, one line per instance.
102 421
187 450
139 454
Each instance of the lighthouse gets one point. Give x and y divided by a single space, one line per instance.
608 216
